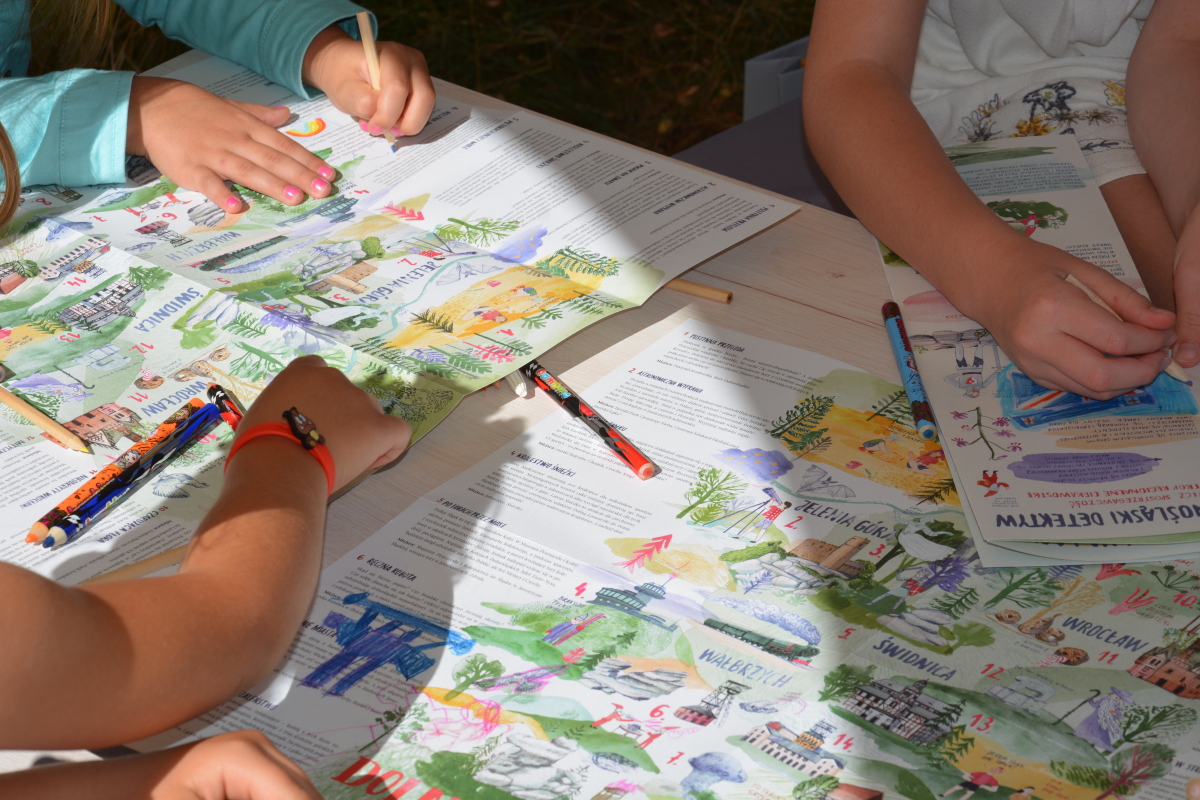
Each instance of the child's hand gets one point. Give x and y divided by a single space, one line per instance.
1059 337
242 765
337 65
356 431
1187 292
200 140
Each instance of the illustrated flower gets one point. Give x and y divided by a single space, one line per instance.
958 414
1034 126
853 464
1001 422
960 442
1113 570
991 483
1006 434
1015 447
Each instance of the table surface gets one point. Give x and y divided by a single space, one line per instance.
812 281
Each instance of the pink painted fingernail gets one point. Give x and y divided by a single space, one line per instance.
232 202
397 132
319 186
362 124
327 173
281 108
291 192
374 130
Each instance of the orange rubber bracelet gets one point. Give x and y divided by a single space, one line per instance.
320 452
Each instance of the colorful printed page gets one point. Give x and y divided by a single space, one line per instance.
482 241
1051 474
111 346
787 611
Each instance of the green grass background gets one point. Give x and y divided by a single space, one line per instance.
662 74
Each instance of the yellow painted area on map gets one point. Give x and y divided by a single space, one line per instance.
373 225
894 455
485 712
495 301
1019 773
20 336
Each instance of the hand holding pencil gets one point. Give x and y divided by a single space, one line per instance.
399 102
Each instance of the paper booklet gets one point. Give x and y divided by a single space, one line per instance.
1051 476
442 263
780 614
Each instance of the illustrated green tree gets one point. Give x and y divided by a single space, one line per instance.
50 325
842 680
437 322
815 788
413 719
372 247
1128 771
1025 588
936 491
356 323
1155 724
149 277
801 418
245 327
1074 596
584 262
482 232
958 603
613 648
541 319
895 407
809 442
25 268
473 668
260 363
951 746
865 579
711 486
594 303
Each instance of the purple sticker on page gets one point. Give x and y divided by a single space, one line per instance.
1082 467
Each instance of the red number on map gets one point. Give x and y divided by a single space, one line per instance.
225 281
844 740
847 633
994 671
169 215
410 263
1107 657
658 711
1185 600
981 723
877 550
343 299
793 522
141 397
43 201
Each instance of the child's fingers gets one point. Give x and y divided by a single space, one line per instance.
1131 327
1187 296
421 99
407 95
1086 371
296 152
285 174
1127 301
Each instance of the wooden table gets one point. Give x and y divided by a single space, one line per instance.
812 281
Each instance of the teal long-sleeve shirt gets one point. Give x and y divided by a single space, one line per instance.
69 127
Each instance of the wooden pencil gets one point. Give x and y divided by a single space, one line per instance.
700 290
1173 369
50 426
367 34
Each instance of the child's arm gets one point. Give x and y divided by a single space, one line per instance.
114 662
243 765
889 168
1163 96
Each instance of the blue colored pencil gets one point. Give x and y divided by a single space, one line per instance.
124 484
922 413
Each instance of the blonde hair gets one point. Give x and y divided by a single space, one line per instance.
12 180
110 40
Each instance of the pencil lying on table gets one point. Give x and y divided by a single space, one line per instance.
61 435
1173 369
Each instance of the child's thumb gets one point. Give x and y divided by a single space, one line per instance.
275 116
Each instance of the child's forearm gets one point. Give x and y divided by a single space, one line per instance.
888 167
1163 101
138 656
